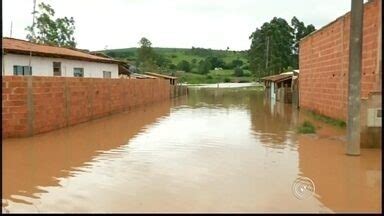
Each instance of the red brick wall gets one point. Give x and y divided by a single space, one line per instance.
324 58
14 106
32 105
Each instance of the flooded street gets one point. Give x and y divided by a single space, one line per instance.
217 150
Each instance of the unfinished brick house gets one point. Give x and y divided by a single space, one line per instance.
324 62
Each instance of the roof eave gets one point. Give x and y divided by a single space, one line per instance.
34 53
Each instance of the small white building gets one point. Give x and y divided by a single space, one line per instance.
25 58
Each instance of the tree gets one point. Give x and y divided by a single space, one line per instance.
184 65
215 62
299 32
146 57
237 62
162 61
274 46
48 30
238 71
204 67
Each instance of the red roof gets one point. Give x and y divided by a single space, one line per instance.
17 46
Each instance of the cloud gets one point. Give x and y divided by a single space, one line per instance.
178 23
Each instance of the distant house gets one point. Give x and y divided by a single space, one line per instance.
141 76
172 79
21 57
282 87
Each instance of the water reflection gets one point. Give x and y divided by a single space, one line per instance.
217 150
343 183
29 163
221 97
273 123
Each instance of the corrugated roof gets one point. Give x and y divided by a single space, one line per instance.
17 46
161 75
142 76
278 77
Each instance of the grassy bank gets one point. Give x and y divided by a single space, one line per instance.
328 120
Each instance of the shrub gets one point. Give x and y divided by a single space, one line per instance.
306 128
247 74
237 63
245 67
238 71
184 65
204 67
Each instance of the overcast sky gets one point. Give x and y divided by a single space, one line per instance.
171 23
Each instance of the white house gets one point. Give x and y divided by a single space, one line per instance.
25 58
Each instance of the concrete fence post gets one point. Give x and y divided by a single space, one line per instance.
109 96
30 105
91 91
67 100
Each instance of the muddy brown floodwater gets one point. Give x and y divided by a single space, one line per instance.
217 150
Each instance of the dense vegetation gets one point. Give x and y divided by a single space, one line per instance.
195 65
274 49
275 44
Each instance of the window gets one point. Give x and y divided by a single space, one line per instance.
22 70
56 68
78 72
107 74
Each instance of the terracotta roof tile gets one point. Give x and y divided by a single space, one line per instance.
18 46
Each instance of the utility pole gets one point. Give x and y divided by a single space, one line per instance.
33 36
354 81
10 34
33 19
266 54
34 11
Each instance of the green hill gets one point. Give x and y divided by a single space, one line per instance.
176 55
193 56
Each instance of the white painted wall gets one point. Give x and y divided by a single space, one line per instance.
43 66
273 94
